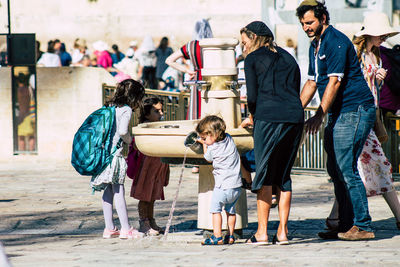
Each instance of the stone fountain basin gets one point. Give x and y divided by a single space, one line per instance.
165 139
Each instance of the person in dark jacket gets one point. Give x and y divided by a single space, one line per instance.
117 55
273 97
65 57
162 52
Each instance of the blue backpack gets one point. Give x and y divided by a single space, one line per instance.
91 148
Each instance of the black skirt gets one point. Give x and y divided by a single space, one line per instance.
275 149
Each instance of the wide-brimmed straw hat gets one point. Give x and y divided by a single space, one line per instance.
376 24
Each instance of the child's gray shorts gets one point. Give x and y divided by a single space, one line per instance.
224 197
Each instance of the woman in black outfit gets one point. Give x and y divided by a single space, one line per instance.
273 96
162 52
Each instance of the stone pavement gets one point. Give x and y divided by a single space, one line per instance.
48 217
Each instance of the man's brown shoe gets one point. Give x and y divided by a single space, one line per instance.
355 234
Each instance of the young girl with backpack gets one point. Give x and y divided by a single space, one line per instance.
153 175
127 98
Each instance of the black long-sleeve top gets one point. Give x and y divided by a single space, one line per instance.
273 86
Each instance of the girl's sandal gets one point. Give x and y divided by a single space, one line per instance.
229 239
154 226
213 241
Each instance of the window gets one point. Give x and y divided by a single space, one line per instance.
24 109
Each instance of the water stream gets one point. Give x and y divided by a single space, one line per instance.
171 212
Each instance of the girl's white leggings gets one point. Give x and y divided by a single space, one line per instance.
115 192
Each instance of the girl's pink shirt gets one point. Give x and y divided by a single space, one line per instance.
103 59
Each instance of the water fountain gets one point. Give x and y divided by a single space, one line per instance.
220 96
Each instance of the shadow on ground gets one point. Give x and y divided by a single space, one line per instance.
34 226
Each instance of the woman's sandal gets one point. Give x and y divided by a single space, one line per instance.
276 241
229 239
213 241
253 241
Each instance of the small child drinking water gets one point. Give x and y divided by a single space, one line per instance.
152 176
220 149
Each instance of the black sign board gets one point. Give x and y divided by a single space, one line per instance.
21 49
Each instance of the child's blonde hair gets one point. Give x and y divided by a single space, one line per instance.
212 125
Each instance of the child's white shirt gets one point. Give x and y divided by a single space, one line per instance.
226 162
123 117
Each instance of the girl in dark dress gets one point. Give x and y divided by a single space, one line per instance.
273 96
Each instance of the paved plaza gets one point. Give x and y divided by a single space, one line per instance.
48 217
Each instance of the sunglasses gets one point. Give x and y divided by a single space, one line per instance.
384 37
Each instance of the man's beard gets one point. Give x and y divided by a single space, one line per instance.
317 32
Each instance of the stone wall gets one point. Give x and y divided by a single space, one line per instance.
6 130
65 97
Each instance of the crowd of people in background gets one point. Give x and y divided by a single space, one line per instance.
145 63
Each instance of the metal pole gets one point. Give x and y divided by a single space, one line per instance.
13 96
9 17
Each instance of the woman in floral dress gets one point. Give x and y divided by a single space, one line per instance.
374 168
